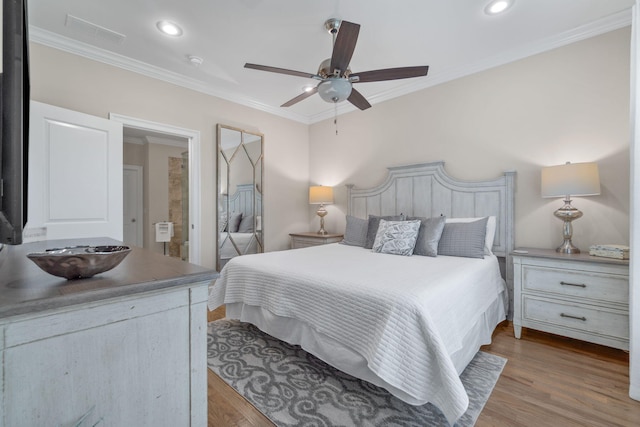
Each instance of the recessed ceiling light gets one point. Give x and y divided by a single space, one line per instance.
308 88
169 28
498 6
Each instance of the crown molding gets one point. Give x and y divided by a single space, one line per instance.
56 41
154 140
610 23
167 141
133 140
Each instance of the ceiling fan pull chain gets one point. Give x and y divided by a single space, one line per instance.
335 117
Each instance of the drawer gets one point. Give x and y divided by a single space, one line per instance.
315 240
574 283
576 316
305 243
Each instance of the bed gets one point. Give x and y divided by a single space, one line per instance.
409 324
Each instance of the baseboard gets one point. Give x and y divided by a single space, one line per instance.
634 392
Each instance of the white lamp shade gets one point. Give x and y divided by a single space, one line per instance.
320 194
571 179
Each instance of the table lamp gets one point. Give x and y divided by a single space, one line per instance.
321 195
570 179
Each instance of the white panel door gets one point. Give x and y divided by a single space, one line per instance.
75 174
133 188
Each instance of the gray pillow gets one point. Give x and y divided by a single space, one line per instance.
234 222
429 235
463 239
372 227
355 233
246 224
396 237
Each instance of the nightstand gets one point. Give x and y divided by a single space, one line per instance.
303 240
578 296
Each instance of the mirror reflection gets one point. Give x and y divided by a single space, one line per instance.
239 219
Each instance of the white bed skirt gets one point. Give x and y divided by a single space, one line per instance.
335 354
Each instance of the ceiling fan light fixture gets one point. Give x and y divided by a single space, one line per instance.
335 75
498 6
334 89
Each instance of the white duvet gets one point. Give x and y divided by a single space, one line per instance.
404 315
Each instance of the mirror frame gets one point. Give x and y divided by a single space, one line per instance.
256 180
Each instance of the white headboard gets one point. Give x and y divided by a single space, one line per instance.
242 200
426 190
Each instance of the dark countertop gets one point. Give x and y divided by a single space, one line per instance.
26 289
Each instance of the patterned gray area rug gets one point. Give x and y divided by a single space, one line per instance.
293 388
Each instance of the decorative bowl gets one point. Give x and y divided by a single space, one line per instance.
79 262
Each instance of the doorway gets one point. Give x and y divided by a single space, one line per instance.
133 202
190 157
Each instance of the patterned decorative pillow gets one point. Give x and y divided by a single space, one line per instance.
429 236
396 237
355 233
463 239
372 227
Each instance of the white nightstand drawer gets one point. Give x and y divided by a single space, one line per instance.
304 240
574 283
305 243
608 322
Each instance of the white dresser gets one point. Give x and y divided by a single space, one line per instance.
127 347
578 296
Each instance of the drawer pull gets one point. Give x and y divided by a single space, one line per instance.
579 285
584 319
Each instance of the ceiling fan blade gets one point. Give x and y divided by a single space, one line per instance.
344 46
390 74
358 100
281 70
303 95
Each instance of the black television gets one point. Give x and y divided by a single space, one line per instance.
14 105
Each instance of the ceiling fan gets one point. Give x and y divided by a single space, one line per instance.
336 79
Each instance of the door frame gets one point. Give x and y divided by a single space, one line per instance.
193 136
139 202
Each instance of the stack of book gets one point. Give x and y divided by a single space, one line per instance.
610 251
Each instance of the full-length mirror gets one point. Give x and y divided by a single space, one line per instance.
239 219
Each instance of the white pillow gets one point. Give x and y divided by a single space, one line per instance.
490 234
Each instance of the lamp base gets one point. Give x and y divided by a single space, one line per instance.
322 212
567 213
567 248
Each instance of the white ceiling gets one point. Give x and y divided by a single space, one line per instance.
454 37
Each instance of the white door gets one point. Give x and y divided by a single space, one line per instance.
132 201
75 174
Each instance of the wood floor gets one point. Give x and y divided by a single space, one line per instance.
548 381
